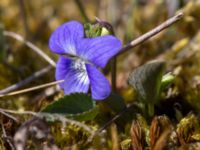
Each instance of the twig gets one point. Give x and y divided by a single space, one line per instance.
27 80
6 137
64 119
54 116
115 118
111 121
9 116
32 88
18 112
82 10
30 45
151 33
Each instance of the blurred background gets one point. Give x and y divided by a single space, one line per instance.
35 21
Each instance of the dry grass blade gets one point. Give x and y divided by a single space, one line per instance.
8 115
27 80
30 45
32 88
114 136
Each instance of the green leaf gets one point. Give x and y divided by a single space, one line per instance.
115 102
167 80
95 30
146 80
91 30
78 106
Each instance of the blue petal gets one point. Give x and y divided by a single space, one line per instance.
63 40
76 78
62 68
98 50
100 86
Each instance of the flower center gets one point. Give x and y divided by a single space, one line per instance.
79 65
81 73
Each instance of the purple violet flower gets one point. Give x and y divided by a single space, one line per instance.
80 58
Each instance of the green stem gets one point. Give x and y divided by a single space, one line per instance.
113 73
24 16
150 110
82 10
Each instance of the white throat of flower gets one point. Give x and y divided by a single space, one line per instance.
81 72
79 64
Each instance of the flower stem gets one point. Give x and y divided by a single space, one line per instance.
113 73
150 109
82 10
24 16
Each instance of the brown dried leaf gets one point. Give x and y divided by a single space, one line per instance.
159 132
137 136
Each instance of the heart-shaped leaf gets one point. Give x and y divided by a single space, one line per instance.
146 80
78 106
